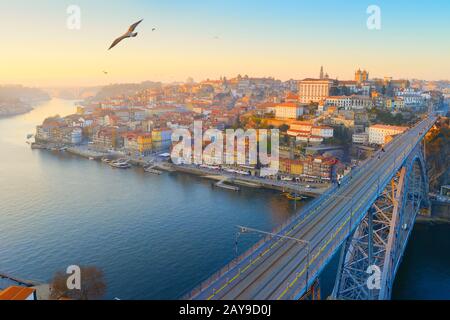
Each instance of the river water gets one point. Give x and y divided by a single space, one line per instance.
155 237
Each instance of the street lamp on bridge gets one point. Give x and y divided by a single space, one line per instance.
301 241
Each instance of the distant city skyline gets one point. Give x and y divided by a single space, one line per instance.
199 39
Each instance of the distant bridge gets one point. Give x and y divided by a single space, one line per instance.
369 218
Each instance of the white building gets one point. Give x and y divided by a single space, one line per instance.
77 136
410 97
354 102
379 132
352 86
288 110
360 138
342 102
301 126
361 102
314 90
322 131
307 132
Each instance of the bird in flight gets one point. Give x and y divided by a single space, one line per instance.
105 72
129 34
154 29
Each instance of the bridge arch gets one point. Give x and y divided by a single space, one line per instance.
370 257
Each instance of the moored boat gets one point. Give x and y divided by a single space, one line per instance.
152 171
293 196
120 164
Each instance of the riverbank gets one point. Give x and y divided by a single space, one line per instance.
7 111
202 172
440 213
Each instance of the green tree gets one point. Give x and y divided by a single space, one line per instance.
283 128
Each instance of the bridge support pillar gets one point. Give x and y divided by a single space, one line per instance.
372 254
313 293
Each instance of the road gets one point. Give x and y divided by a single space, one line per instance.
278 268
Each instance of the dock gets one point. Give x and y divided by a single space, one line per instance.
253 182
23 282
86 153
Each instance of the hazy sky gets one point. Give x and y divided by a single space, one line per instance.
280 38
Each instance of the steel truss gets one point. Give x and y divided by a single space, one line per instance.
380 239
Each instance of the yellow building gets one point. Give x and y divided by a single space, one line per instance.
396 103
292 167
80 110
144 142
160 135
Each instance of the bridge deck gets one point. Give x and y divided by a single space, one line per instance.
278 268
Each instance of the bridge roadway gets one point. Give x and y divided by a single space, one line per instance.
278 268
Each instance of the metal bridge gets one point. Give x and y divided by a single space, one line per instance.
369 218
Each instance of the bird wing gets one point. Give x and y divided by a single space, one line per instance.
133 26
117 41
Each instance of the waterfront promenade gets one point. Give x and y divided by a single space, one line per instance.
302 188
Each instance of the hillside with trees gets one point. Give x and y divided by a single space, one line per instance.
438 154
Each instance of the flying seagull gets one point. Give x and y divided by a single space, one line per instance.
130 33
154 29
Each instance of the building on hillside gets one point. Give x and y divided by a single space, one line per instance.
354 102
321 168
107 138
305 131
315 90
360 138
342 102
399 84
361 76
76 136
161 135
291 167
288 110
322 131
350 86
291 97
301 126
411 97
396 103
138 142
380 133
